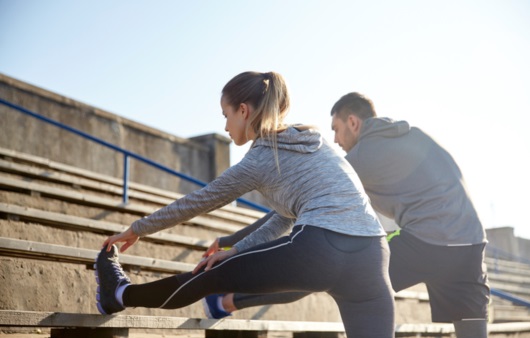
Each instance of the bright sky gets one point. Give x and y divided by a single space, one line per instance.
458 69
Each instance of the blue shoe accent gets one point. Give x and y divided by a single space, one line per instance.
109 276
211 307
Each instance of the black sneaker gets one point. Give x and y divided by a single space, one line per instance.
109 276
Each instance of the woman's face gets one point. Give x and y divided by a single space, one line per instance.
236 121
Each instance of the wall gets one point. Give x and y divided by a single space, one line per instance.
203 157
504 244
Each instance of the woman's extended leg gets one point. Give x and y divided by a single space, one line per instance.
299 262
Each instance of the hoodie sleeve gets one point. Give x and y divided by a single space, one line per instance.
234 182
275 227
232 239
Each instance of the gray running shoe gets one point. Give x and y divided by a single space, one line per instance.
109 276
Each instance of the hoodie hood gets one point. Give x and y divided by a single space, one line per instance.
293 139
384 127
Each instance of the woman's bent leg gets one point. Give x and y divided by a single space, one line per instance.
364 293
370 319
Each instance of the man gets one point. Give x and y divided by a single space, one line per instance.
414 181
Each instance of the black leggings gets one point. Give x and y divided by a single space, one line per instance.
353 270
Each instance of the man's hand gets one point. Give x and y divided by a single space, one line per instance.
214 247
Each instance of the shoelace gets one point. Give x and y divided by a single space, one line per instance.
117 269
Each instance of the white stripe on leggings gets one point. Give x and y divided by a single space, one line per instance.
227 260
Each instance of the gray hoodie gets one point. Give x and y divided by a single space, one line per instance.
314 185
413 180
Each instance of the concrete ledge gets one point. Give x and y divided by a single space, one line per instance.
76 324
58 319
509 327
447 329
13 318
425 328
21 248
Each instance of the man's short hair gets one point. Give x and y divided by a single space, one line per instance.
354 103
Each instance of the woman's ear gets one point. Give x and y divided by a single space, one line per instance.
245 110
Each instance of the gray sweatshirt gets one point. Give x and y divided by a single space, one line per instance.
413 180
314 186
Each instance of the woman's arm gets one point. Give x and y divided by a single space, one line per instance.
234 182
273 228
230 240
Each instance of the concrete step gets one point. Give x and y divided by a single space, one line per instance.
83 198
18 213
510 313
501 267
508 277
94 188
45 168
520 292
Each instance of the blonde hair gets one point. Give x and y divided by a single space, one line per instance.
268 95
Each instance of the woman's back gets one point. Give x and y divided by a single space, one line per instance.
310 184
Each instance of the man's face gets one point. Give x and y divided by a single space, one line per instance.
346 130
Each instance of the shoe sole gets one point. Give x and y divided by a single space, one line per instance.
206 309
98 304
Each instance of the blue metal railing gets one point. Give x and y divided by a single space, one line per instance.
127 155
510 297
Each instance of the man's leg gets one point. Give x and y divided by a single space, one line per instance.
458 288
471 328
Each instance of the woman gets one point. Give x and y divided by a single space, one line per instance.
335 245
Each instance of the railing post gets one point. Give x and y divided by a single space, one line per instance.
126 163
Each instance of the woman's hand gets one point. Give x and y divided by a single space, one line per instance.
212 259
214 247
128 236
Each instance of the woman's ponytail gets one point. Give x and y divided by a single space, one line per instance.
268 95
